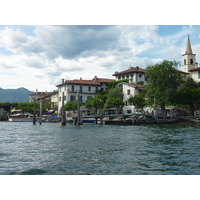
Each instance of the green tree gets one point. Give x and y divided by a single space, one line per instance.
189 94
137 100
117 92
163 82
70 105
95 102
113 84
114 102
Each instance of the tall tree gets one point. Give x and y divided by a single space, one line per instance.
163 81
189 94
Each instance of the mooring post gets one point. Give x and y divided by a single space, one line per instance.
101 119
63 111
79 118
34 112
40 120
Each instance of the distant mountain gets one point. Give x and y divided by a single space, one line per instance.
14 95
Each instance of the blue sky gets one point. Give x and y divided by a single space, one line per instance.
38 57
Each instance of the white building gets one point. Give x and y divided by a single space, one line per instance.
134 74
36 95
130 89
189 63
86 88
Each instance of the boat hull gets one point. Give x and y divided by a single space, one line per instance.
20 120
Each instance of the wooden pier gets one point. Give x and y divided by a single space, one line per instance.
135 118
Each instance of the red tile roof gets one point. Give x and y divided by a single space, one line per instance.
136 85
102 80
40 93
130 70
182 72
195 69
80 82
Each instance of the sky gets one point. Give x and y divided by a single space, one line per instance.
38 57
40 43
43 42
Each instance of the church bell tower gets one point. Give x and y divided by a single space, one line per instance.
189 59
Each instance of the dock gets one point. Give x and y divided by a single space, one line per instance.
131 119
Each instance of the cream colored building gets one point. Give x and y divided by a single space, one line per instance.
189 63
134 74
130 89
70 89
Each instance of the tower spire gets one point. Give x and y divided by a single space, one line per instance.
188 47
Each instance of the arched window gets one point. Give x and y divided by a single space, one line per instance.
191 61
184 61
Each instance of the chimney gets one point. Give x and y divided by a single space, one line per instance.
137 68
80 78
95 79
63 80
36 91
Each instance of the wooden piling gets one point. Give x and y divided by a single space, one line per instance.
63 111
34 112
40 120
79 117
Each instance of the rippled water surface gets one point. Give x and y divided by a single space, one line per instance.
98 149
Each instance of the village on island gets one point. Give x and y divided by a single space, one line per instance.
132 82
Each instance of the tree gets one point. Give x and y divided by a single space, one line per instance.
117 92
189 94
95 102
113 84
71 105
137 100
163 82
114 102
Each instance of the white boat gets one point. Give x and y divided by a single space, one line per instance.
19 116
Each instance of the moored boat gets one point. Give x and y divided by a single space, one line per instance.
19 116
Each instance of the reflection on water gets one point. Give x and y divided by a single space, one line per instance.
98 149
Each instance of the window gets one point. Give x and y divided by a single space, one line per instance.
72 98
198 74
89 89
81 99
72 88
184 61
128 92
59 98
65 87
191 61
81 88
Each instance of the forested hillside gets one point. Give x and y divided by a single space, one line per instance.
14 95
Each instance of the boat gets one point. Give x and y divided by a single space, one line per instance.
51 119
20 116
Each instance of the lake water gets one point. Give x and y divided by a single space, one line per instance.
52 149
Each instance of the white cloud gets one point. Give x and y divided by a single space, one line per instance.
41 59
171 53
